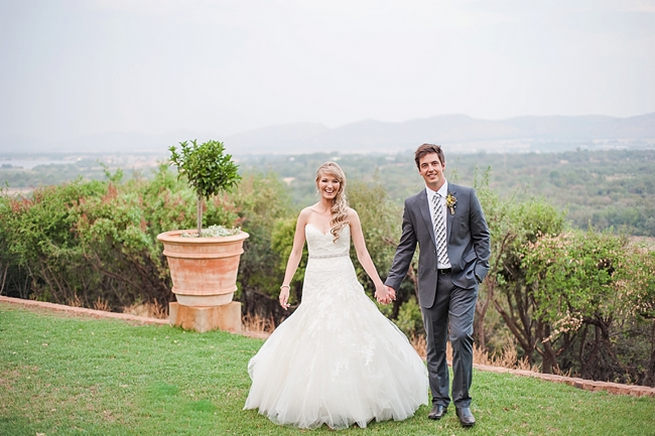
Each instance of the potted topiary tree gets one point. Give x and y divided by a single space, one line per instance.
204 262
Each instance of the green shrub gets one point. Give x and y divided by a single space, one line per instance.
410 319
94 243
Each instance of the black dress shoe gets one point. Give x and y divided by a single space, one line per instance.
437 411
465 416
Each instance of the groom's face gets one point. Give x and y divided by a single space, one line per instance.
431 169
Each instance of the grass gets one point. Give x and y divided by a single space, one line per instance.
66 375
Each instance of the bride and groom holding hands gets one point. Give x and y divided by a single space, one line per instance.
337 360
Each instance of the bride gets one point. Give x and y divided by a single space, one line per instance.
336 360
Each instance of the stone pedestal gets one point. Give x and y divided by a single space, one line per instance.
206 318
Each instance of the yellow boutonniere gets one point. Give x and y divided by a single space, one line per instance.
451 203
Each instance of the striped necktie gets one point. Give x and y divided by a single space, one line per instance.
440 231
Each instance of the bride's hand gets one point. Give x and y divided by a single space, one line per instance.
284 296
384 294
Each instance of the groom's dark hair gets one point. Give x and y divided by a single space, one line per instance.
424 149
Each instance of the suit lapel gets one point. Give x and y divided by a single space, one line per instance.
452 190
424 209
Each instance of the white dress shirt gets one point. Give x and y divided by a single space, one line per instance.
441 193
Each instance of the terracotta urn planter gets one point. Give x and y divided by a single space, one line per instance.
203 270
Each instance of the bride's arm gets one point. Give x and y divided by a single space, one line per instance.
294 257
382 293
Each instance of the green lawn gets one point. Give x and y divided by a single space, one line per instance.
67 375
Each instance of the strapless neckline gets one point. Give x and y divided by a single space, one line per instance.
322 232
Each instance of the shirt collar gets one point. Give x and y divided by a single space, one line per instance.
443 191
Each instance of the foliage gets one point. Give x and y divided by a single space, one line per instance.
112 236
519 224
281 244
214 231
94 243
604 188
38 240
410 318
380 220
502 233
569 298
573 277
512 223
639 267
587 282
207 168
516 228
262 201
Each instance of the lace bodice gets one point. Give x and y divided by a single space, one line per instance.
320 244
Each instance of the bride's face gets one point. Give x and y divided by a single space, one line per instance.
328 185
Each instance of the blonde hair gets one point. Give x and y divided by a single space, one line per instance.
339 207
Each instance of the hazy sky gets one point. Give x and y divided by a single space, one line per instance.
71 68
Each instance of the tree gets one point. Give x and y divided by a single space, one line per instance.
207 168
572 279
637 284
518 225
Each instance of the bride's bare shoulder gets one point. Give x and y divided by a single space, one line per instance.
305 213
308 210
352 214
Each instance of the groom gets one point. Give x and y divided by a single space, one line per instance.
447 222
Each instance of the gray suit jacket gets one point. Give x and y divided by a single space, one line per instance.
468 244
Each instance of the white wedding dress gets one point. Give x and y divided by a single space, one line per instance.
336 360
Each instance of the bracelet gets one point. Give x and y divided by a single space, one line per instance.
285 286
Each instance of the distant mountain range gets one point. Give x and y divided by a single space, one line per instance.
459 133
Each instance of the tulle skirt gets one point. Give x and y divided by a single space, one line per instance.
336 360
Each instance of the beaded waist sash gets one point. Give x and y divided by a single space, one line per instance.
326 256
